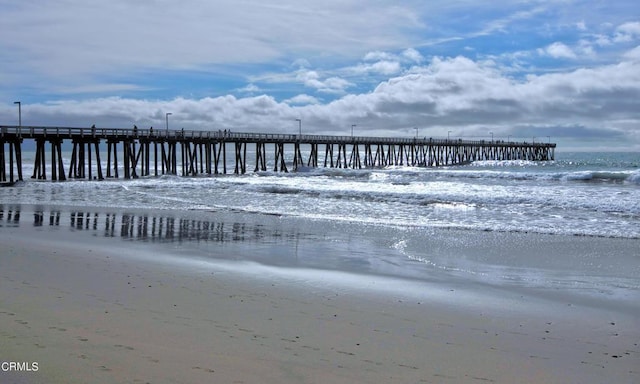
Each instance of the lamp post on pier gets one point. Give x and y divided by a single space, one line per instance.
19 113
352 125
491 133
299 127
448 133
166 116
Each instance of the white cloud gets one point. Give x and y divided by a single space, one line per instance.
633 55
558 50
334 85
313 79
384 67
302 100
585 48
378 56
386 63
413 55
602 40
627 32
249 88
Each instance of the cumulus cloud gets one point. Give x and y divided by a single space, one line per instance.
413 55
458 94
558 50
313 79
627 32
386 63
249 88
302 100
378 56
383 67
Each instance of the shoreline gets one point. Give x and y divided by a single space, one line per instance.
91 309
581 269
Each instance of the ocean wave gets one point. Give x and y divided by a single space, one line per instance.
508 163
280 190
632 177
568 176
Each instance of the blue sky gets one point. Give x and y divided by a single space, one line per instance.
565 69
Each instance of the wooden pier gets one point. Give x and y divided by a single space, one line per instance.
132 153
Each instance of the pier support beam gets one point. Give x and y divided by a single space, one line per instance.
15 157
313 156
297 156
261 154
39 168
279 158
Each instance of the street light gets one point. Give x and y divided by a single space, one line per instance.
416 128
19 113
509 138
166 116
491 133
448 133
299 126
352 125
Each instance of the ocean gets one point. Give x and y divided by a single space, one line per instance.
569 225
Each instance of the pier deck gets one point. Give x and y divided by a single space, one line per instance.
146 152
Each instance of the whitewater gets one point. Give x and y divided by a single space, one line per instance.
578 194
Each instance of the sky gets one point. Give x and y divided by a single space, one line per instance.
561 71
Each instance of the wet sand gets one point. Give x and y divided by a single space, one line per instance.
104 310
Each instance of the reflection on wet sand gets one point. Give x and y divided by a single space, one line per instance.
9 218
148 227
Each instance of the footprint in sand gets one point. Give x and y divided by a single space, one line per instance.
204 369
124 346
151 359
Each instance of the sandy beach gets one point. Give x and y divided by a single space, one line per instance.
99 310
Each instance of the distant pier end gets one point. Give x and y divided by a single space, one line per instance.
132 153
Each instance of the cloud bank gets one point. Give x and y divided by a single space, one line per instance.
388 68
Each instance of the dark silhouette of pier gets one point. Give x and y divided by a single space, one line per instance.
135 152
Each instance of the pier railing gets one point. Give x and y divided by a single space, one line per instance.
35 132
